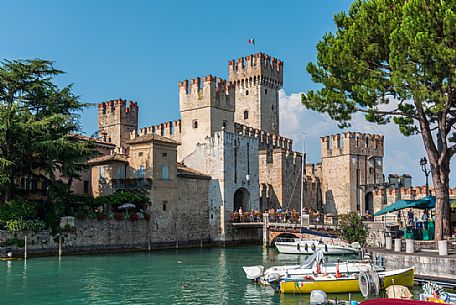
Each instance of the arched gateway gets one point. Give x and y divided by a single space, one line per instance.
242 199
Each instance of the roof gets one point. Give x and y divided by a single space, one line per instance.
108 159
187 172
150 137
86 138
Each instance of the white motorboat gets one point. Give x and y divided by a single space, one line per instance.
309 267
308 246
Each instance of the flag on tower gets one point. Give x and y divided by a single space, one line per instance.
251 41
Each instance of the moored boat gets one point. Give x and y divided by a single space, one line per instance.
308 246
337 283
312 264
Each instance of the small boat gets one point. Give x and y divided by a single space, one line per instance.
337 283
309 246
309 267
9 258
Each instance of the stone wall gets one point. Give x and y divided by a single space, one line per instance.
104 235
426 266
352 168
280 178
232 162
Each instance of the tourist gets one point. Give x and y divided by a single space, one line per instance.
425 219
399 218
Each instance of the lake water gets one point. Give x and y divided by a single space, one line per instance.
181 276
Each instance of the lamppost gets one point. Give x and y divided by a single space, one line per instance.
423 163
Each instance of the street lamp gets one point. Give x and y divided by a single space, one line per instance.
423 163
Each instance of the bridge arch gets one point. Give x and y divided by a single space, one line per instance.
276 235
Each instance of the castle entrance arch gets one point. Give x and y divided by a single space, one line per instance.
369 203
242 199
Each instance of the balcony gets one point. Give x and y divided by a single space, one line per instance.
133 184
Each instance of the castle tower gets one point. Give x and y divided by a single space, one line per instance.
257 79
116 121
352 168
204 111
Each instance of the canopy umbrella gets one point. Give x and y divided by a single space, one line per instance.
423 203
126 206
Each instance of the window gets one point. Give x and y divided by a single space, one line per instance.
140 172
165 172
246 92
195 124
164 154
101 172
86 187
224 124
120 174
246 115
265 91
164 205
140 154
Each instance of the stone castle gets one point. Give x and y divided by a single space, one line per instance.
226 153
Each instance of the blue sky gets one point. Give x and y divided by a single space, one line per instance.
139 50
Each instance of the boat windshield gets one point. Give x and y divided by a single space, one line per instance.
316 257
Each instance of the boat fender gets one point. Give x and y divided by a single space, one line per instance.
312 247
326 248
306 247
298 247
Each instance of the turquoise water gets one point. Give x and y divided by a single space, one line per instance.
183 276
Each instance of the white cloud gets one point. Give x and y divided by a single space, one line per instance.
402 154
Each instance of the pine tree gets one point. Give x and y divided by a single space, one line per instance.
395 60
38 121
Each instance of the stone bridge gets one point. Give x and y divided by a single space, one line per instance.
274 230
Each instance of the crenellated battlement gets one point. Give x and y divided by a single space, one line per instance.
267 140
170 129
215 92
352 143
410 192
115 105
256 69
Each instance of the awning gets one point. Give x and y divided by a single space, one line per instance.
423 203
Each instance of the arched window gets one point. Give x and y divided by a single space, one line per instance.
246 115
246 92
195 124
224 124
265 91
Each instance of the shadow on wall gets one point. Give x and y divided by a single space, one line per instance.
330 205
268 199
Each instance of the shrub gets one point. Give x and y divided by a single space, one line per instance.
14 242
100 216
25 225
352 229
134 217
118 216
17 209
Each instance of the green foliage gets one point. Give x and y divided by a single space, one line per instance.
351 228
119 198
387 48
17 209
25 225
37 120
14 242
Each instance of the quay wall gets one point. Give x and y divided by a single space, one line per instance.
92 235
427 266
